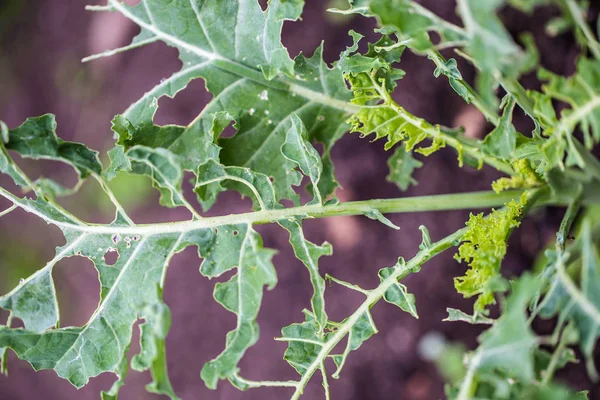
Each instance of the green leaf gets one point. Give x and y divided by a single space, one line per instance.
376 215
512 333
242 295
489 43
192 144
398 294
305 343
127 288
152 354
361 330
36 138
298 150
256 185
449 69
356 7
502 141
458 315
254 81
525 177
309 254
264 196
165 170
413 23
402 166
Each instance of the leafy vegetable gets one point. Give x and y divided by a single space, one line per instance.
280 109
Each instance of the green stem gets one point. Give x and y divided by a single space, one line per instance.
458 201
577 16
8 210
4 352
257 384
469 384
549 372
467 17
567 221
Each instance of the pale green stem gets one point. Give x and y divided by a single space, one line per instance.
585 305
442 22
346 284
577 15
567 221
8 210
582 301
257 384
450 44
467 387
4 352
465 12
458 201
325 381
549 371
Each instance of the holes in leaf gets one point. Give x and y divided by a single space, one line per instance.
229 130
435 38
320 147
111 256
77 290
235 233
183 108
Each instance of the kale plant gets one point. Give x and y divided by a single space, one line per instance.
280 109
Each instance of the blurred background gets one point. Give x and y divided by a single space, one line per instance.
41 45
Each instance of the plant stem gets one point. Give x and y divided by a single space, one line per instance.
577 16
4 352
549 372
467 386
567 221
257 384
458 201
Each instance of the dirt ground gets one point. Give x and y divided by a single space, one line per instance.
41 43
